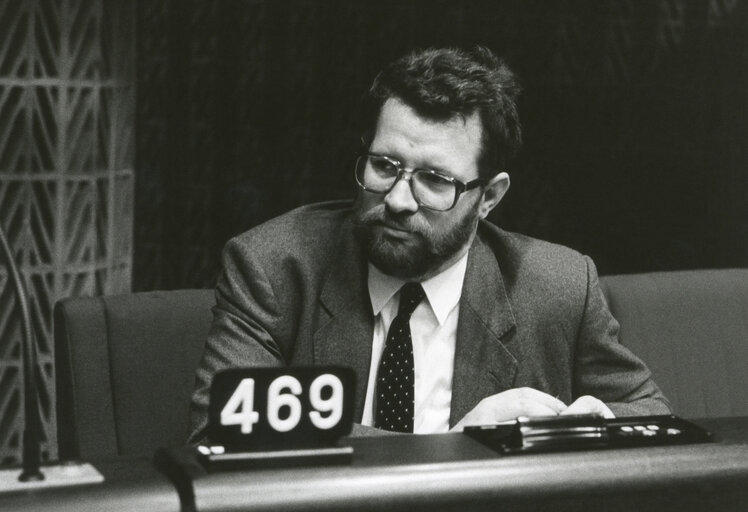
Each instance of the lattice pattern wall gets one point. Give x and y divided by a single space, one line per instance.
66 177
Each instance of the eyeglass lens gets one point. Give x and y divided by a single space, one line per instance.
379 174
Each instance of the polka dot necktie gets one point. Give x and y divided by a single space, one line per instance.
395 380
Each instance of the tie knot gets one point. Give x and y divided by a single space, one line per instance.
411 294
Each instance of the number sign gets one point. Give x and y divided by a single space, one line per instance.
280 408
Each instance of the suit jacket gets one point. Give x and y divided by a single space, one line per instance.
293 292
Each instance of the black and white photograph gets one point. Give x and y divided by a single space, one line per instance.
374 255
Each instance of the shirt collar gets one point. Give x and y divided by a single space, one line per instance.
443 290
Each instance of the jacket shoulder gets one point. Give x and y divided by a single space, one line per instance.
542 268
303 231
516 250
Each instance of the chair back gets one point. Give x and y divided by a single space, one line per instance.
125 364
691 329
125 369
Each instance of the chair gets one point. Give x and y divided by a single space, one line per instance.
125 364
125 367
691 328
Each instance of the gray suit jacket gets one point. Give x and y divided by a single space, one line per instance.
293 292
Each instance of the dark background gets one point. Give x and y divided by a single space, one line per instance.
634 116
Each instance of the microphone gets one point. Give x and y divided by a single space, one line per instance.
31 476
31 457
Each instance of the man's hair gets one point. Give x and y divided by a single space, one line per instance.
441 83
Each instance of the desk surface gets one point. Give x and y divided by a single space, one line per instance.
453 472
436 473
129 485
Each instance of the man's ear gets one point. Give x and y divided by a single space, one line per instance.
493 193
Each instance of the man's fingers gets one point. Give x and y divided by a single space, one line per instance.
547 400
588 405
523 402
529 408
510 404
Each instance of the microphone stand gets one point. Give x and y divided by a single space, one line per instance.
31 477
31 457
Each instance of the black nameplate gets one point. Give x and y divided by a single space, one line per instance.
280 408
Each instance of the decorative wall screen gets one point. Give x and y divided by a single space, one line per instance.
66 177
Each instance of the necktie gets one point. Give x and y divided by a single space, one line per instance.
395 379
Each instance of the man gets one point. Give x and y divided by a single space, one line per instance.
491 325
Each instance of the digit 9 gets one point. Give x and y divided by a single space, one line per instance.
332 405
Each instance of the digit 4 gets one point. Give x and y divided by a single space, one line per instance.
239 410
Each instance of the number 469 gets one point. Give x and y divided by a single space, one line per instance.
284 391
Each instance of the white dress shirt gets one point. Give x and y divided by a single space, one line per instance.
433 327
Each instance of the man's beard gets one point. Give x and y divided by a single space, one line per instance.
421 253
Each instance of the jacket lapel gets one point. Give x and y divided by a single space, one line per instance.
345 318
483 366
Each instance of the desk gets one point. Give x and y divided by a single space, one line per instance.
435 473
453 472
129 485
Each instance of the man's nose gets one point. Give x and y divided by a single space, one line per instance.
400 197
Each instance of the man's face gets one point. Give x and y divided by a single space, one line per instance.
401 238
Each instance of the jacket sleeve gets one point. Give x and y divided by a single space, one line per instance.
607 370
244 331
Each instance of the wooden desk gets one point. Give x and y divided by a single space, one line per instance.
453 472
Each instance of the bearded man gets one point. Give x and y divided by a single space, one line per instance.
479 325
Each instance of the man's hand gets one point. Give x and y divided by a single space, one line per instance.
588 405
510 404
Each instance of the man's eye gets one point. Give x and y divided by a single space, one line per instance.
431 179
383 165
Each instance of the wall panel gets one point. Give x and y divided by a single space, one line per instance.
66 174
634 119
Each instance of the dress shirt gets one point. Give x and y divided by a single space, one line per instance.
433 327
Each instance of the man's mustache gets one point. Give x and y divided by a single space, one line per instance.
381 215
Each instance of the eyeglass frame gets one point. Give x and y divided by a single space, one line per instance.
402 171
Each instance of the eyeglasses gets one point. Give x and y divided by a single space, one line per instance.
431 189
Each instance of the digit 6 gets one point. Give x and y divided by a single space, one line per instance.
277 399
